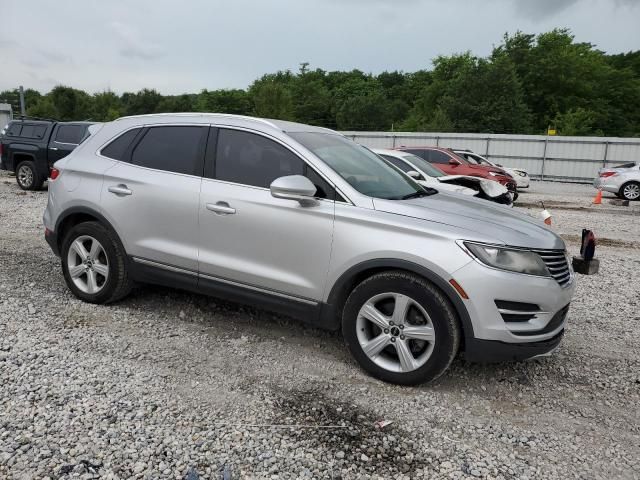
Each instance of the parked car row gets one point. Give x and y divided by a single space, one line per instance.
429 176
29 148
520 175
303 221
446 160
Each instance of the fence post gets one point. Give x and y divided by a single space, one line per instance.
486 150
544 156
394 141
606 151
437 140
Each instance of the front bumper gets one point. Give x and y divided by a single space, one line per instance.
489 351
521 182
484 286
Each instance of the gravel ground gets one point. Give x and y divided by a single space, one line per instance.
167 384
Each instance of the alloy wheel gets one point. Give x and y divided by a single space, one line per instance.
395 332
25 176
87 264
631 191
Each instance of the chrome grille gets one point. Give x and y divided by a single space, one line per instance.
556 262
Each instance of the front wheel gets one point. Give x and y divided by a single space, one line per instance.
94 264
27 176
630 191
401 328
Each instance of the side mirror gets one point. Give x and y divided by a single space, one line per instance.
415 175
293 187
453 162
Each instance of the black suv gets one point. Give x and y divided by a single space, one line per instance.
29 148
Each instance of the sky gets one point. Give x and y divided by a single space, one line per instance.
177 47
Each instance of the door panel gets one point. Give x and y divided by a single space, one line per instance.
154 212
266 242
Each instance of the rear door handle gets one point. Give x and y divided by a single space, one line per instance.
221 208
120 190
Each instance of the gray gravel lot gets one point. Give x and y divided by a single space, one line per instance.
167 384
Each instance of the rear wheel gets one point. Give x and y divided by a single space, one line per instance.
401 328
94 264
630 191
27 176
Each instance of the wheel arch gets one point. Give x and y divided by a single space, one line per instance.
357 273
75 215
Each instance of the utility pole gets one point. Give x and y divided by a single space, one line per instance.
22 112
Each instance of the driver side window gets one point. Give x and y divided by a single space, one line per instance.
251 159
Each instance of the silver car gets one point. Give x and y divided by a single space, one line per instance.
303 221
623 180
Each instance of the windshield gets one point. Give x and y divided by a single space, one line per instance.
474 159
423 165
361 168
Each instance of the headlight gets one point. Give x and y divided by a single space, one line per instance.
522 174
520 261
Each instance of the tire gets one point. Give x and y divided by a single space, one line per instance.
429 315
104 278
27 176
630 191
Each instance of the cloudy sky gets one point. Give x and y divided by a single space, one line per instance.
188 45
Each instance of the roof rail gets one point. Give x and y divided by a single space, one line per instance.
38 119
192 114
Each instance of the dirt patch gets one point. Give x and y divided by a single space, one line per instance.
346 434
604 242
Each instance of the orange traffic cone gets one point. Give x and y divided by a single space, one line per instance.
598 199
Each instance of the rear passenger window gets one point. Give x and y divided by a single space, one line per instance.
250 159
70 134
173 149
117 149
436 156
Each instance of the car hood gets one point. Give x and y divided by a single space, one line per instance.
490 187
489 222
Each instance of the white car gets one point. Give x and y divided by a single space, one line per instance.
623 180
520 175
429 176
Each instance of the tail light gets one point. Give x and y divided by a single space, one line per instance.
0 149
608 174
54 173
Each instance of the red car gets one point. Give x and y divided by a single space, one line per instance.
451 164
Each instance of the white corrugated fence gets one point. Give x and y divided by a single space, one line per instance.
574 159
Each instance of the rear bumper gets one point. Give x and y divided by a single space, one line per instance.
52 240
602 184
489 351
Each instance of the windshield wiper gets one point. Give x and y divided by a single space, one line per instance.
420 193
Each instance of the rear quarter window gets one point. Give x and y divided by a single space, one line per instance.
119 147
14 130
33 131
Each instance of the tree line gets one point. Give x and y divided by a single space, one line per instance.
528 83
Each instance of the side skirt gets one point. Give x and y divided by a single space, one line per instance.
305 310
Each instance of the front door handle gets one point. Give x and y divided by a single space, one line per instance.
53 148
221 208
120 190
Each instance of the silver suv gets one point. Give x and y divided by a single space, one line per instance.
303 221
